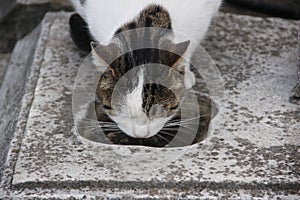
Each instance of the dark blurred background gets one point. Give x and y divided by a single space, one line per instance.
289 9
19 17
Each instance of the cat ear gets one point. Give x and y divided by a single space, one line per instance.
176 52
105 54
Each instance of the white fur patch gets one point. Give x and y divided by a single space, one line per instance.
132 120
189 17
134 100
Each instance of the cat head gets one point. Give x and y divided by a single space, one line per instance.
141 90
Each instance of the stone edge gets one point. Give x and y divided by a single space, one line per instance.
26 102
6 182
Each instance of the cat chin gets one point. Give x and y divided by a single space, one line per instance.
147 130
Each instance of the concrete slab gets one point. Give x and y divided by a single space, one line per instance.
4 60
252 152
13 89
296 89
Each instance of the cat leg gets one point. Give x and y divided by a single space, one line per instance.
189 78
80 32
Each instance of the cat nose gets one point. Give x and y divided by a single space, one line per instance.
141 120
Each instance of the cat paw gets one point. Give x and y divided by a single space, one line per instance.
80 32
189 79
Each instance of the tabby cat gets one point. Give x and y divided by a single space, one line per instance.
142 109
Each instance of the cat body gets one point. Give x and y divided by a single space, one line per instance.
104 18
143 108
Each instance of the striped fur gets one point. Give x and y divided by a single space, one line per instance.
140 107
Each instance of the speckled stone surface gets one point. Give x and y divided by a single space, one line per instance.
4 60
296 89
12 89
253 149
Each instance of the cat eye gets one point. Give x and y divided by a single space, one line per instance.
106 107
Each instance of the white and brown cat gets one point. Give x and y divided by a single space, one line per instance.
145 109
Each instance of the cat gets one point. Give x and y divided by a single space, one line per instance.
143 109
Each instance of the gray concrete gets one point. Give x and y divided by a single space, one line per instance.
13 88
4 60
296 89
253 149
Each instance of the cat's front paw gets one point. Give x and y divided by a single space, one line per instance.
80 33
189 79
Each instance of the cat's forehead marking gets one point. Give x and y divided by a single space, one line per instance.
134 99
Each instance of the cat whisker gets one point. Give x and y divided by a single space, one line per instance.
97 125
189 119
165 139
183 131
86 126
115 127
116 132
87 121
190 123
184 121
170 129
166 133
93 122
186 127
179 124
110 129
108 124
172 124
90 130
93 128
